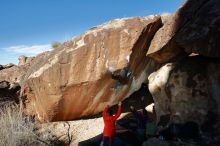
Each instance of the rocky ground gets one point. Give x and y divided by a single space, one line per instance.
73 132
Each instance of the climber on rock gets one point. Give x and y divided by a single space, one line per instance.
109 125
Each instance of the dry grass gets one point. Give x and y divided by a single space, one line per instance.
17 130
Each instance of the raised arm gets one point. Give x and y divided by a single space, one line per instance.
104 113
118 112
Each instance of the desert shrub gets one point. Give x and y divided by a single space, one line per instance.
55 45
17 130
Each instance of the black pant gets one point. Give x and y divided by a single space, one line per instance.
106 141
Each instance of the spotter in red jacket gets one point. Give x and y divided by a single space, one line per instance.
109 121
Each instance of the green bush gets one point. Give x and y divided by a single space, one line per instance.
56 45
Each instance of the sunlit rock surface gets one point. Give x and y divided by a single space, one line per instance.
105 64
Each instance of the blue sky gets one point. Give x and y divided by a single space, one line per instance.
28 27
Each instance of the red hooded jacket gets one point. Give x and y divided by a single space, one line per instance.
109 121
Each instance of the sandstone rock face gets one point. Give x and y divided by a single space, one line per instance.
9 92
6 66
188 90
194 28
105 64
162 49
201 32
10 77
24 60
12 74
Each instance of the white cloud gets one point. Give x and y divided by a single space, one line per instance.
28 50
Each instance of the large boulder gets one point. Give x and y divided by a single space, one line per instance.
187 90
194 28
105 64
